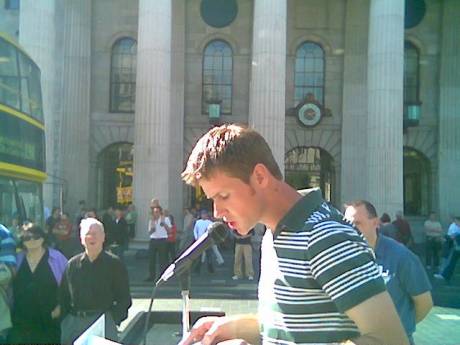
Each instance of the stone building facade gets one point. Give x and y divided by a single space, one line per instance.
365 144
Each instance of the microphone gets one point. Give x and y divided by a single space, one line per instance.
216 233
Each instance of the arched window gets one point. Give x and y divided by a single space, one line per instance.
309 72
310 167
115 175
123 76
217 76
411 74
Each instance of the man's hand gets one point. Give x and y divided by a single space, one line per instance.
211 330
56 312
199 329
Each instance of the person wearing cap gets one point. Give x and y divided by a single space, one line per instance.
95 282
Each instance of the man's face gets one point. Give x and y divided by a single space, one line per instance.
118 213
93 239
239 204
360 218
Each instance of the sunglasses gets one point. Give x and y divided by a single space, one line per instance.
30 237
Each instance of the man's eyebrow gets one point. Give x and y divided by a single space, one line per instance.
215 195
212 197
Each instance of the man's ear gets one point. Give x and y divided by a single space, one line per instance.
260 175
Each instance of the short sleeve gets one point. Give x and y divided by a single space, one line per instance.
343 264
413 276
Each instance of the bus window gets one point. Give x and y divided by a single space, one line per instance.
31 199
9 215
9 76
30 88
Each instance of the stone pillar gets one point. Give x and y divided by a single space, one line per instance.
449 113
354 115
153 110
385 105
267 105
37 35
176 187
76 101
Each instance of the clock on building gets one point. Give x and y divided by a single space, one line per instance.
309 114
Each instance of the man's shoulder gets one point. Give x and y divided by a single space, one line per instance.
395 249
76 259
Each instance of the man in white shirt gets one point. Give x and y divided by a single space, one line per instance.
158 228
201 226
453 234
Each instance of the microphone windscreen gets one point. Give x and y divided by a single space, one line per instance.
218 232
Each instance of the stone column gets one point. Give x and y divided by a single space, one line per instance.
176 187
267 105
37 34
449 113
354 115
153 110
76 101
385 105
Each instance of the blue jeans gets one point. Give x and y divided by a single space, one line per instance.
448 271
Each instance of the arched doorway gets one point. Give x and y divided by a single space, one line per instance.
115 175
309 167
417 182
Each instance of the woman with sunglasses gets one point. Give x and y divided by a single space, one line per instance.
39 270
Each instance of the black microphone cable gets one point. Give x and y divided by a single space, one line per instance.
149 312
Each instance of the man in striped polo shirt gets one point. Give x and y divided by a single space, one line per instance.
319 282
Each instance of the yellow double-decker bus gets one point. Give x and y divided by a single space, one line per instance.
22 137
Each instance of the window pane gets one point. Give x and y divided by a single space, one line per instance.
123 76
31 96
9 76
411 75
217 75
309 71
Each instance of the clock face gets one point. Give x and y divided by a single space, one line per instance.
309 114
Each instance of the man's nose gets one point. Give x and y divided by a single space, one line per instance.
218 210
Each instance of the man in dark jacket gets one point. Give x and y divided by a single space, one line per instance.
94 283
120 234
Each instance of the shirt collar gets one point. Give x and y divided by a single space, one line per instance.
295 218
85 258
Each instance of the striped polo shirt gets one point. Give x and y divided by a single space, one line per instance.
315 266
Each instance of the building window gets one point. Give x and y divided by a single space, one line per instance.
417 183
123 76
12 4
411 74
309 72
217 76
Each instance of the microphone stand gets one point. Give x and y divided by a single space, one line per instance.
184 282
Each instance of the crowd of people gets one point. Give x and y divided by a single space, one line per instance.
57 280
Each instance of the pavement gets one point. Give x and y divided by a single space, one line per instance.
217 291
